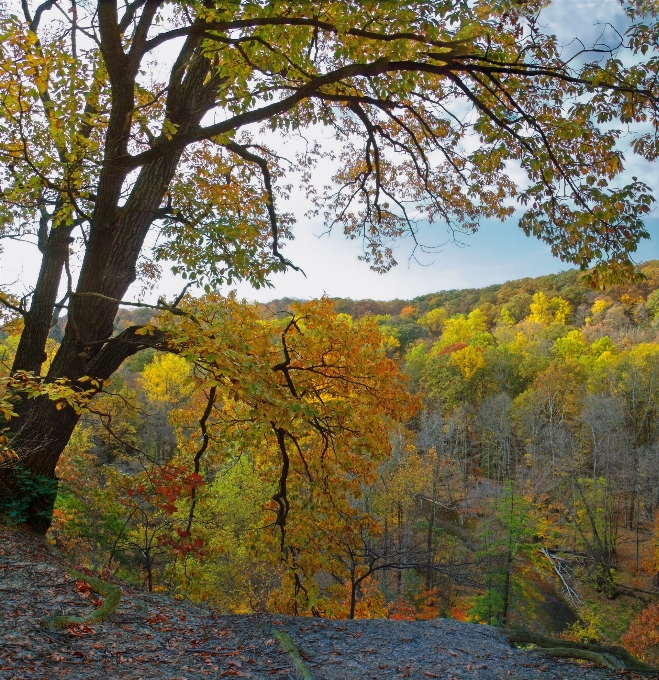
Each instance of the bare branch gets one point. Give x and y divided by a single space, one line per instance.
245 153
205 440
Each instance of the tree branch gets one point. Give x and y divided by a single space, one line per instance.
172 309
294 21
205 440
15 308
277 108
280 497
246 154
34 21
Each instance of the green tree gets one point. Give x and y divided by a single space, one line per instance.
652 304
518 307
506 533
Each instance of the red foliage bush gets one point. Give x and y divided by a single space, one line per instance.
642 638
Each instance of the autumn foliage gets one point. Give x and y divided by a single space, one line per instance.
642 639
309 398
274 459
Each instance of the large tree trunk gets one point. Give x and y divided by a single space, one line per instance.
117 235
30 354
28 490
41 433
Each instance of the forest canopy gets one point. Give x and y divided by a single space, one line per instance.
117 159
508 476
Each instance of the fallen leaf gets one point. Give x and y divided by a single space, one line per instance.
83 589
81 630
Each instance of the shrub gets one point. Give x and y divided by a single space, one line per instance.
642 638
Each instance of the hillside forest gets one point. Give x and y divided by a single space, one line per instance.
490 455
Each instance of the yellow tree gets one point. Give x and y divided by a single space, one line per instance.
167 379
545 311
307 401
469 360
434 320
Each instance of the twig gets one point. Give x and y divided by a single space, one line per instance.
223 652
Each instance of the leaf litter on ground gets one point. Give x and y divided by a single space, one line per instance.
152 636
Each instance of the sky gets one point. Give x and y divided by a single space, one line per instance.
496 253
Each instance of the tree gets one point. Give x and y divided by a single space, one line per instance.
285 422
98 153
642 638
309 399
496 437
166 380
506 533
434 320
545 311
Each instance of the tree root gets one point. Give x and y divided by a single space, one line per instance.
110 593
613 657
287 644
584 655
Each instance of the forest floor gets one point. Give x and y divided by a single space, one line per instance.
154 636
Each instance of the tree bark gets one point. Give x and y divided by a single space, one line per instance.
30 353
117 235
42 432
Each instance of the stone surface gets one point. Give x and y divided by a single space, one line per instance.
152 636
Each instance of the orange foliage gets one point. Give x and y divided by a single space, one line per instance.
459 610
642 638
311 396
370 604
428 604
403 611
424 606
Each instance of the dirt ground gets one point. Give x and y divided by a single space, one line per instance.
153 636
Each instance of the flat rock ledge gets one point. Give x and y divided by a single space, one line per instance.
152 636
